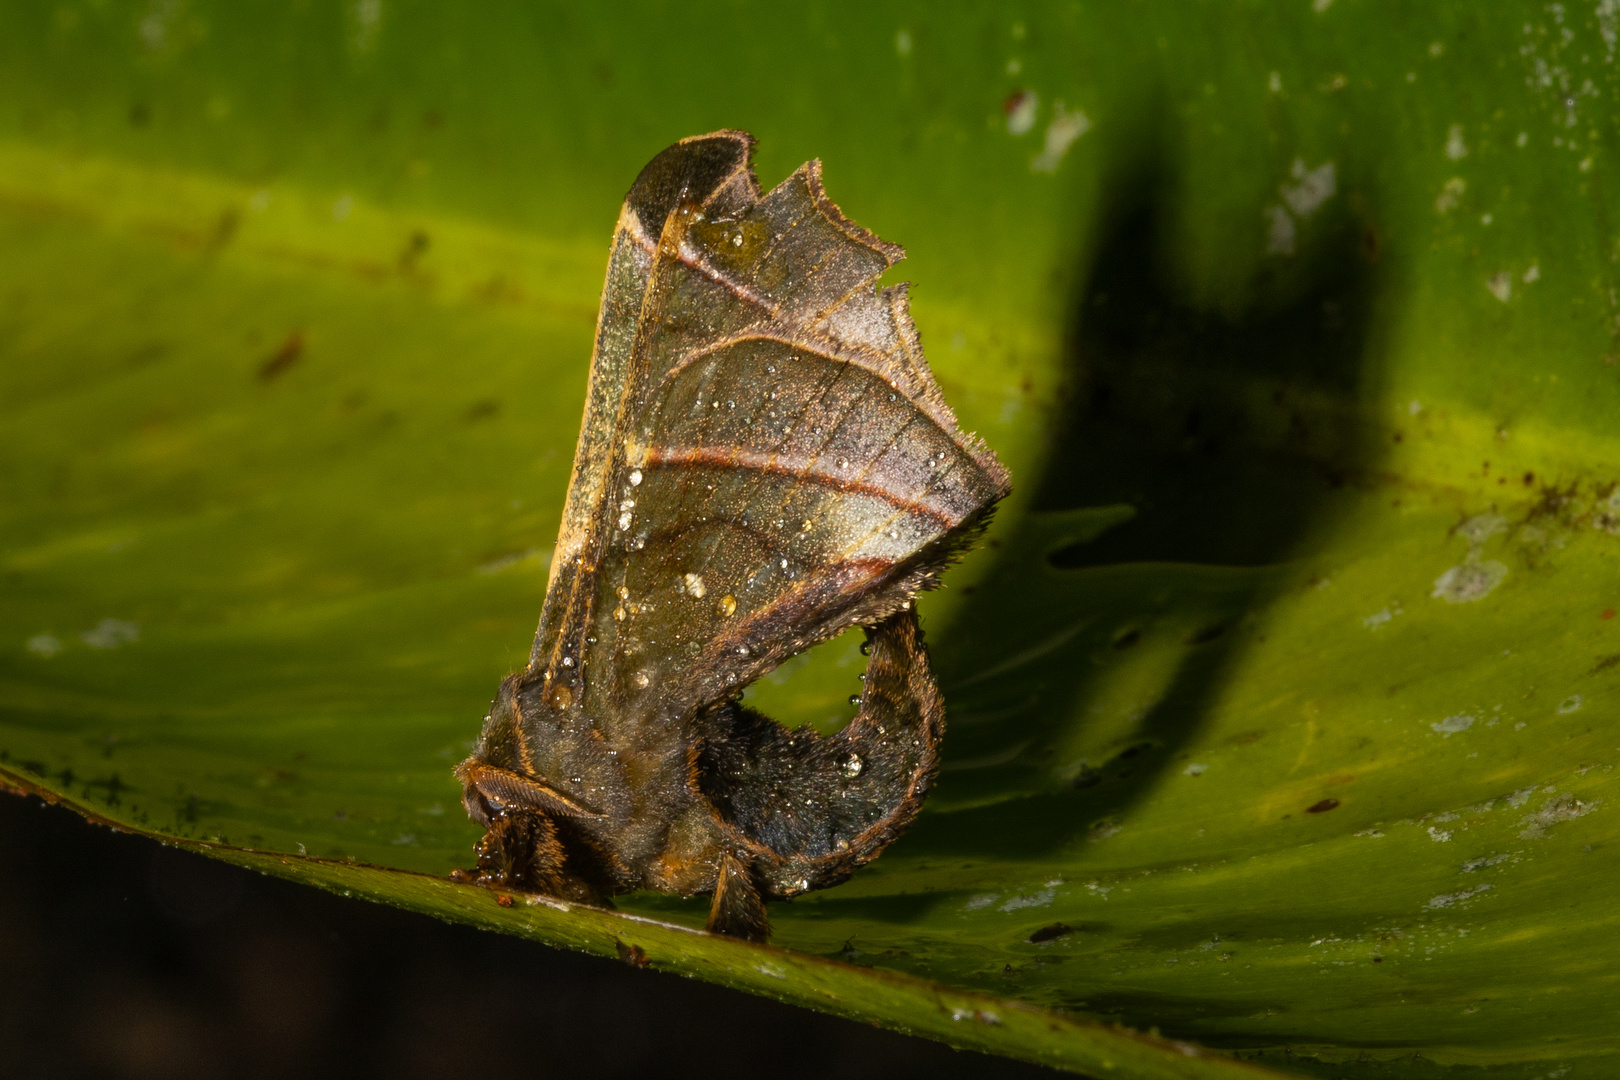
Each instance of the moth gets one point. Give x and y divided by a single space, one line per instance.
765 462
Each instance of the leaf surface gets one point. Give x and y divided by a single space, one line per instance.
1282 697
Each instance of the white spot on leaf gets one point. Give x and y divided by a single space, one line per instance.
1451 725
110 634
1065 127
1030 900
1446 900
1451 193
1469 582
44 645
1456 149
1279 231
1021 110
1313 188
1561 808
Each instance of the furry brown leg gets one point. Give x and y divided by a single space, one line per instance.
521 850
737 910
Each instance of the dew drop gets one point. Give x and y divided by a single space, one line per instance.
618 613
851 765
643 680
843 463
635 477
854 699
624 593
694 585
568 661
866 648
728 605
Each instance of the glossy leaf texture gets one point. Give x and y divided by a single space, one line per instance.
1282 695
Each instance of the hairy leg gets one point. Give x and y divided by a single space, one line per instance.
738 909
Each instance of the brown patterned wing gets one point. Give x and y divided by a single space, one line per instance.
766 459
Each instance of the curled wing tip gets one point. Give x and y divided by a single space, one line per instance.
696 168
736 135
891 252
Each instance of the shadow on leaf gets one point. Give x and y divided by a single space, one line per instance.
1196 459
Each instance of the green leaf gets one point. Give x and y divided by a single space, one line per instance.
1282 697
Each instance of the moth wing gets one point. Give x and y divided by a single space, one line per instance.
767 459
707 168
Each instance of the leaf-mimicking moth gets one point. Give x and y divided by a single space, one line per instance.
765 462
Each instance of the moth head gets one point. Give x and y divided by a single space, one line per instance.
495 757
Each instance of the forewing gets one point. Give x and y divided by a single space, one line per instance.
712 168
780 464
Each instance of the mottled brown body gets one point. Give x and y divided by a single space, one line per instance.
765 461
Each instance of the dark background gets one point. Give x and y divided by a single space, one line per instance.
123 958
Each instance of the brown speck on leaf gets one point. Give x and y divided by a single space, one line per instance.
224 229
277 363
1369 243
416 246
1608 613
631 954
481 410
1050 932
1322 807
503 900
1529 478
